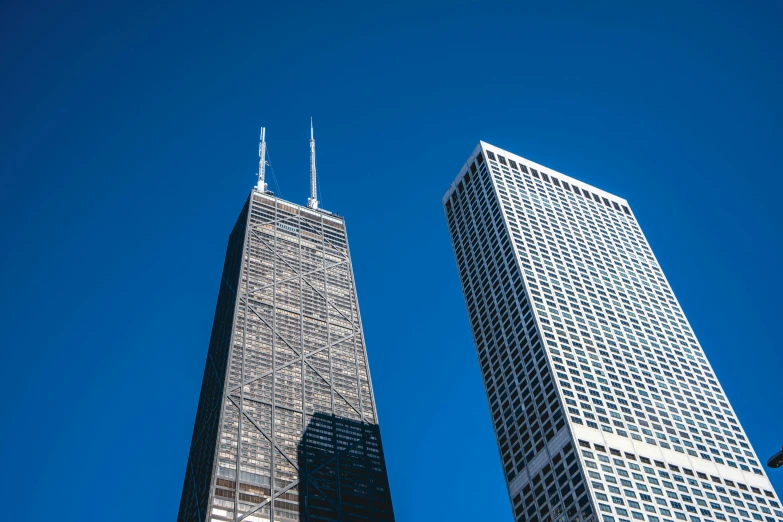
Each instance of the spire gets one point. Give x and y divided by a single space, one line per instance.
312 201
261 187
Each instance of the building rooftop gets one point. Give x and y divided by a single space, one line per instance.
482 145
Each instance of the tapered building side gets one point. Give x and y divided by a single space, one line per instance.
286 427
602 400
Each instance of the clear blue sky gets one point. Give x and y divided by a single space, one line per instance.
128 140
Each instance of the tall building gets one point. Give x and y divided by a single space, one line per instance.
603 402
286 427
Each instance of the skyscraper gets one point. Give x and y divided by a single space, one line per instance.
602 400
286 427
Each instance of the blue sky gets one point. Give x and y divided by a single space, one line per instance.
128 139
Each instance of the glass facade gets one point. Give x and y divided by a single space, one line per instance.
286 427
603 402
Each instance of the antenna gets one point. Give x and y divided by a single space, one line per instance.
261 187
312 201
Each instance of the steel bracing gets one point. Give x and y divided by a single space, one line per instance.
297 430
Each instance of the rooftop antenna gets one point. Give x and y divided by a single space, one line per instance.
312 201
261 187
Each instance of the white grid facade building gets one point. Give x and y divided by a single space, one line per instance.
603 402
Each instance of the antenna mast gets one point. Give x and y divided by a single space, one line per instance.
312 201
261 187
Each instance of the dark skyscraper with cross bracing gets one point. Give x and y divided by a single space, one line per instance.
286 427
